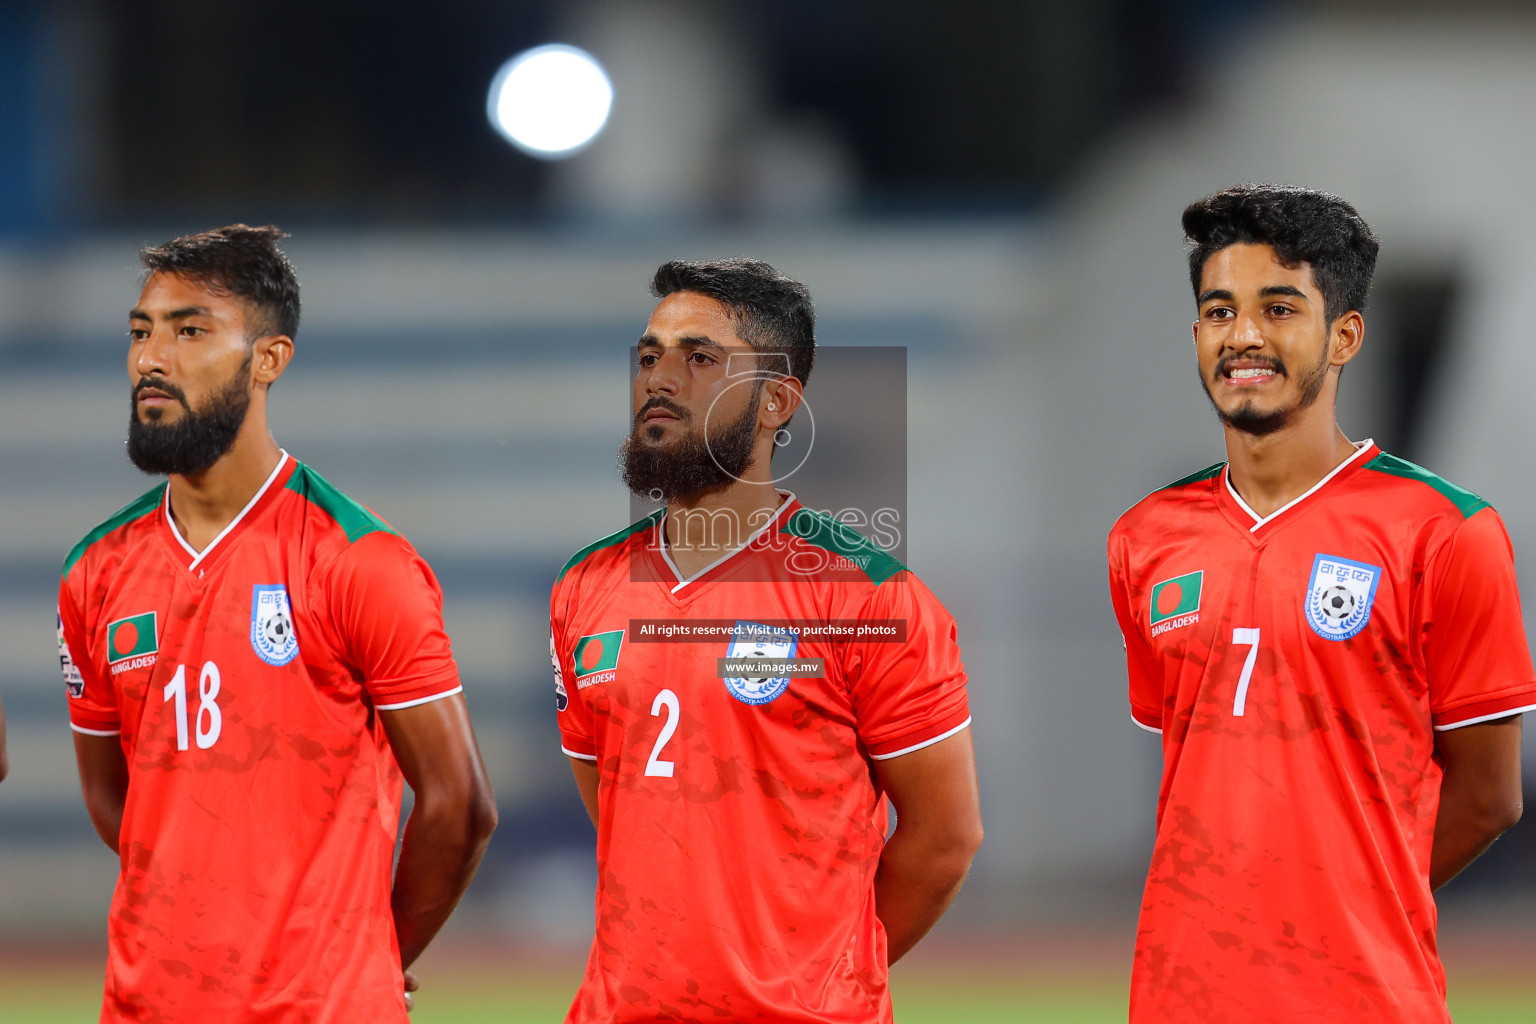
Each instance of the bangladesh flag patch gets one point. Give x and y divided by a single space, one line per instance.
597 657
1176 602
133 637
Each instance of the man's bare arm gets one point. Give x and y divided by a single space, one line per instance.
1480 794
104 783
451 822
586 783
5 764
938 830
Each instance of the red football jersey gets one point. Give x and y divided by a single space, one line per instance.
740 821
1297 666
263 799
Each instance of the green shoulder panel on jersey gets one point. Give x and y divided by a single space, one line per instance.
830 535
610 540
1467 503
356 520
1194 478
135 509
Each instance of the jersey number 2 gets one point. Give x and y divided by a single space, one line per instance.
666 701
207 705
1245 638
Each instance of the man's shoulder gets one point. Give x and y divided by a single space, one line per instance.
351 518
847 548
602 550
1418 491
115 526
1174 500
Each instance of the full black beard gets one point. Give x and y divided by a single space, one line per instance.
657 472
196 440
1250 421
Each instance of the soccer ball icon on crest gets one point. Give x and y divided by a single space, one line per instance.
1338 603
278 628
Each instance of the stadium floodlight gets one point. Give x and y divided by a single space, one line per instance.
550 101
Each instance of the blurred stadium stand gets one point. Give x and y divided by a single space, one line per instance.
461 367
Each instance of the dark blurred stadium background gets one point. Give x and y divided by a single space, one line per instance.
993 184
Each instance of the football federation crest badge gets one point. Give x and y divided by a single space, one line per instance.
272 635
1339 596
596 658
755 640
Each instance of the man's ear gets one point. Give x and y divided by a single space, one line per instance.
270 355
1345 337
782 396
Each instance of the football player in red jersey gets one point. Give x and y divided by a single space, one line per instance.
253 662
1328 639
744 871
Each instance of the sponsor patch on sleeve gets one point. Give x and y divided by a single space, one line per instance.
73 681
562 698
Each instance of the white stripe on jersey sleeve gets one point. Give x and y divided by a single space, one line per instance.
1486 718
920 746
419 700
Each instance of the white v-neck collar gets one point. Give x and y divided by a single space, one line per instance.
1226 475
683 581
198 556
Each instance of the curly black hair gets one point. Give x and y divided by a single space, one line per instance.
241 261
772 312
1302 225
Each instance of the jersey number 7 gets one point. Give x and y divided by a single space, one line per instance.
1250 639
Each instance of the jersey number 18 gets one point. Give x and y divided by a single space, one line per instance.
207 705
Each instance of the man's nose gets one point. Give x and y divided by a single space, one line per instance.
153 356
664 377
1247 333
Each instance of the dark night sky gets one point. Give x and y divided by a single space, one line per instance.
376 110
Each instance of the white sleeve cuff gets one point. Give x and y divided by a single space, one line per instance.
419 700
1512 712
919 746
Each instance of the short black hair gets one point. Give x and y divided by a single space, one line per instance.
772 312
241 261
1302 225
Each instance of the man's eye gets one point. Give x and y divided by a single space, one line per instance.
137 333
1219 313
1279 310
702 359
649 359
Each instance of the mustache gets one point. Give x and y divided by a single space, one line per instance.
159 384
661 403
